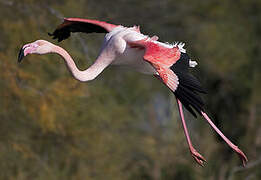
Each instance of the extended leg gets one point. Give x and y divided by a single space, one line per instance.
234 147
198 157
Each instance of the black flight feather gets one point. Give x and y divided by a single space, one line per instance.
188 87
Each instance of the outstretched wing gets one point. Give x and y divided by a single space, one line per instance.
69 25
172 67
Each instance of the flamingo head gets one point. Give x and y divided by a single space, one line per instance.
37 47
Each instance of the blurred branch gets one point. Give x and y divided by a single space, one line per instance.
55 12
84 46
24 86
248 166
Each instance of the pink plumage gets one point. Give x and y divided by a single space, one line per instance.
109 27
127 46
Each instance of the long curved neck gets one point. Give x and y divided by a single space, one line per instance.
86 75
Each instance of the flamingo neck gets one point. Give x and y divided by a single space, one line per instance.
86 75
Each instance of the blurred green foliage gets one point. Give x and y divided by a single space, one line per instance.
125 125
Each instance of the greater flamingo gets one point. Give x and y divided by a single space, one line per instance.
127 46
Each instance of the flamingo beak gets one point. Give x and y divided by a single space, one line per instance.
21 54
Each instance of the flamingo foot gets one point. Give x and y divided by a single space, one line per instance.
198 157
241 155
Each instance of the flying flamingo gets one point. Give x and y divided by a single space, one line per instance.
127 46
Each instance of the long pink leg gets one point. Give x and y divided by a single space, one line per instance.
234 147
198 157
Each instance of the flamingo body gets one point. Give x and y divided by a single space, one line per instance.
127 46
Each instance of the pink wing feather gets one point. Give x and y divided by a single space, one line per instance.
107 26
161 58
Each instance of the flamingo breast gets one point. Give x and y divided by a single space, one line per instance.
132 58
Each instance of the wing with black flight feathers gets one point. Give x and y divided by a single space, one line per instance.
69 25
172 66
189 87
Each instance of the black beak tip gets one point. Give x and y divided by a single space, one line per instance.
20 55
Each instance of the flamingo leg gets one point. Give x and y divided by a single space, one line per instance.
198 157
234 147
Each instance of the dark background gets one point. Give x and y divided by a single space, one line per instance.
125 125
